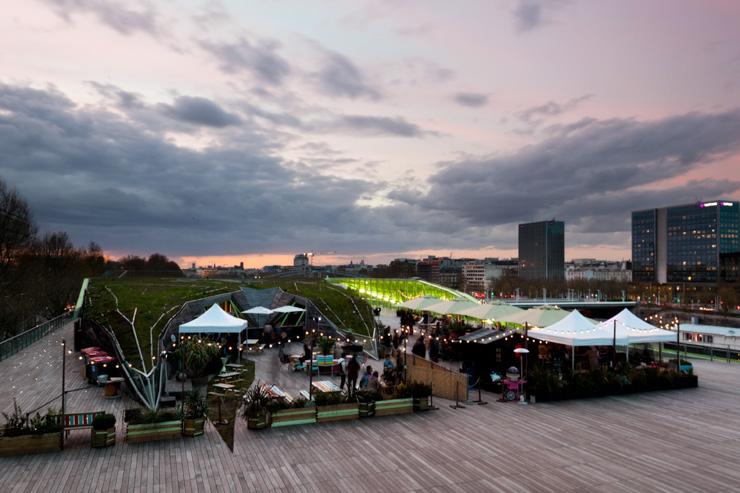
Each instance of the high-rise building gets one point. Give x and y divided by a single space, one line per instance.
542 250
685 243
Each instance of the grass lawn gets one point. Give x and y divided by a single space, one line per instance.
151 297
148 298
346 311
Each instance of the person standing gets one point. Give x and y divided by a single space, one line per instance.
419 348
353 371
342 370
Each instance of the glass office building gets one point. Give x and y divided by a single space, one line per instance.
685 243
542 250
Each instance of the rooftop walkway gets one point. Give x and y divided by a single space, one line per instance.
687 440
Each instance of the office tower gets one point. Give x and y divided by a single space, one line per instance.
685 243
542 250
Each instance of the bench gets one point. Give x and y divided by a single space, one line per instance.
79 421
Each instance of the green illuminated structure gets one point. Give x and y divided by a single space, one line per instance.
393 292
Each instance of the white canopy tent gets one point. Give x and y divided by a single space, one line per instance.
577 330
637 331
288 309
216 321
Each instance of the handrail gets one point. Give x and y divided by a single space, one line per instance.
18 342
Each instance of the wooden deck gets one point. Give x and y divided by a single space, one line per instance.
686 440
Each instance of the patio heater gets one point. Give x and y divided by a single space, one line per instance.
523 352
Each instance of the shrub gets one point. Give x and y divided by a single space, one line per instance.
326 345
146 416
194 405
331 398
103 422
17 424
256 401
197 357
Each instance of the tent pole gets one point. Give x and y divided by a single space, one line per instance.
614 345
573 358
239 348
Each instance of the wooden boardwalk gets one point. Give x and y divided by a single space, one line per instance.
678 441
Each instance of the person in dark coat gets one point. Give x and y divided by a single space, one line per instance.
353 371
419 348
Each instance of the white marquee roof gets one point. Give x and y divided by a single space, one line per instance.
214 321
577 330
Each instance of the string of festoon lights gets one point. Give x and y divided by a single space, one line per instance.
663 324
505 335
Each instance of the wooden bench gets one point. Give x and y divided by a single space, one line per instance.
79 421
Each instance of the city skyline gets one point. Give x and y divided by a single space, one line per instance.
230 131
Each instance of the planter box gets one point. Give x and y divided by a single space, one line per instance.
193 427
337 412
30 444
394 406
258 422
102 438
367 409
293 417
147 432
421 404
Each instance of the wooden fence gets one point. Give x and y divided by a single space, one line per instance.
445 383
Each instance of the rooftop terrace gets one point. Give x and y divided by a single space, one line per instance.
686 440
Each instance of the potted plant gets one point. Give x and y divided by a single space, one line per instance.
21 435
366 401
335 406
103 433
326 345
147 425
256 401
420 393
291 413
195 408
401 402
197 358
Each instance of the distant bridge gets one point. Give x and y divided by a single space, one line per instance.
569 303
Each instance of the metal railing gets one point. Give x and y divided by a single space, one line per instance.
17 343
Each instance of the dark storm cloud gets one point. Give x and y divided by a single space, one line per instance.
118 16
471 99
199 111
259 58
589 173
536 114
363 125
339 76
114 180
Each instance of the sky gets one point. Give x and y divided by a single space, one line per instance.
227 131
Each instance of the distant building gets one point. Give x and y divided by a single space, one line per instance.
429 269
542 250
480 275
686 243
450 277
301 261
597 270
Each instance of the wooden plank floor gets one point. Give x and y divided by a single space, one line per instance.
676 441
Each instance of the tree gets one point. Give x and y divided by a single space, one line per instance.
16 226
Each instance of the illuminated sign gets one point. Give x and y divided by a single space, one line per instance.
708 204
727 204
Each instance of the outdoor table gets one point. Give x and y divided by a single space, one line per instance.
113 387
234 366
326 386
224 386
229 374
276 391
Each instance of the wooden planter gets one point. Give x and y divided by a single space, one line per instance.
337 412
102 438
293 417
421 404
30 444
147 432
257 422
394 406
193 427
367 409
